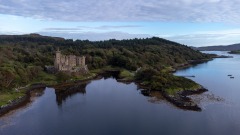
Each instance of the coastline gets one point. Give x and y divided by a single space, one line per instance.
21 101
180 99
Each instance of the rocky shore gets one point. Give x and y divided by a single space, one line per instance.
182 101
14 104
21 101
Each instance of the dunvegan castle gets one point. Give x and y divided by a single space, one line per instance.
70 63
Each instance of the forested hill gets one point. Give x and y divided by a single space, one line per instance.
28 38
23 57
232 47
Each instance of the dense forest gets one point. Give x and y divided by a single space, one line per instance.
23 57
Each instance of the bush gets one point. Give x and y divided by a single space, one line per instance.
145 74
62 77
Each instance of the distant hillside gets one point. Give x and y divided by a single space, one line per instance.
220 48
9 39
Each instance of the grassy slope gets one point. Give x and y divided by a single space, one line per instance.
7 97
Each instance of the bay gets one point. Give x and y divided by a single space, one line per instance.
107 107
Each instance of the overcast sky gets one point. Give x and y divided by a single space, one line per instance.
190 22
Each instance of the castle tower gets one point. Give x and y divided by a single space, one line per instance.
57 59
83 60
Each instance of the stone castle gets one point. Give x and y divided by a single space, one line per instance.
70 63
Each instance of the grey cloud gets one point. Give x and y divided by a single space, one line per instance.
130 10
62 29
206 39
94 36
86 28
117 27
201 39
109 27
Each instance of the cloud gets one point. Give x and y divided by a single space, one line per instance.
204 38
94 36
90 28
63 29
207 38
130 10
117 26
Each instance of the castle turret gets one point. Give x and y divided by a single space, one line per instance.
83 60
57 59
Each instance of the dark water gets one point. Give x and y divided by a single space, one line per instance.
108 107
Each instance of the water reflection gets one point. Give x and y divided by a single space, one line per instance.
67 90
156 97
37 93
145 93
111 74
64 91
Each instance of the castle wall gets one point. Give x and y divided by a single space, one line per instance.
57 59
68 62
77 61
72 60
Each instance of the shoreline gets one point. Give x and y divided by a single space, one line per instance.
21 101
182 101
179 100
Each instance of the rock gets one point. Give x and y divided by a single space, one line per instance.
182 102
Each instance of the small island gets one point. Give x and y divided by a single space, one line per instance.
234 52
30 62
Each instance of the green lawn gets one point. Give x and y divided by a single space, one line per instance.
174 91
127 75
6 97
84 77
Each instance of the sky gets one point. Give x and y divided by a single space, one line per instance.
189 22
